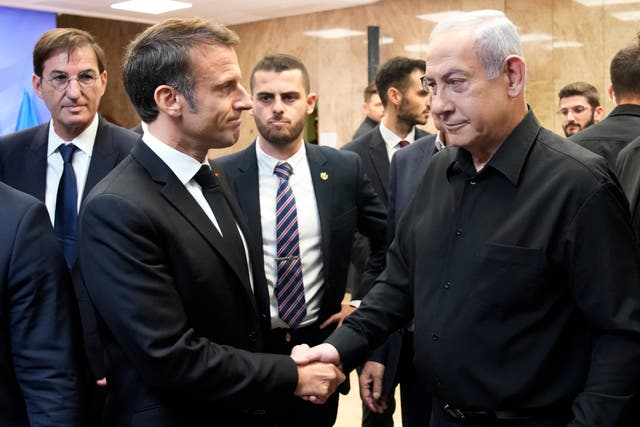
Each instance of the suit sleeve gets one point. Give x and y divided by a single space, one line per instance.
131 284
372 224
40 322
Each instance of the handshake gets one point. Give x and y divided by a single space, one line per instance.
319 371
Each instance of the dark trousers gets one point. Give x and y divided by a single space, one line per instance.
294 411
415 399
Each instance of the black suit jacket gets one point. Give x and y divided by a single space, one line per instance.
373 151
612 134
38 370
178 318
23 165
346 202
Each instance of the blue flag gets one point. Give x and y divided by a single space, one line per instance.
27 116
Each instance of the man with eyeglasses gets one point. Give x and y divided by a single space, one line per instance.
579 107
622 125
59 162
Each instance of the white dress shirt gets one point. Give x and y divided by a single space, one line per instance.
309 232
80 162
392 141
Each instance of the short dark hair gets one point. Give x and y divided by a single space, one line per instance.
369 91
280 62
585 89
625 70
69 39
162 55
395 73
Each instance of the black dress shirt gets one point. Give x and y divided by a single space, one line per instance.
523 279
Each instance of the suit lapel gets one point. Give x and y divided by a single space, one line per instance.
36 164
177 195
380 160
321 176
103 157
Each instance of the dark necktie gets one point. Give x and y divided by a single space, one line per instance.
289 290
221 210
403 143
66 218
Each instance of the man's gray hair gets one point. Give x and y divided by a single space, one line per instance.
495 36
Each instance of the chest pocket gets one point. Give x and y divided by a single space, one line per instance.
508 277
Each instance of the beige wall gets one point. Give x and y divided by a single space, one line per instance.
338 67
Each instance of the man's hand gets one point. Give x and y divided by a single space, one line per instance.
371 386
345 310
303 354
102 382
317 381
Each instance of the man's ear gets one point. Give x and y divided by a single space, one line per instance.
36 82
394 96
516 71
168 100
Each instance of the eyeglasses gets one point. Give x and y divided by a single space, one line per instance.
577 110
61 81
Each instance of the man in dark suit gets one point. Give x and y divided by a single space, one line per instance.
392 363
373 110
39 385
167 258
622 125
518 322
406 104
332 197
70 76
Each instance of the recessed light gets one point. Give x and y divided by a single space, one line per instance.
631 15
334 33
153 7
439 16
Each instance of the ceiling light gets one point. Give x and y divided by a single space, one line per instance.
566 44
416 48
334 33
535 37
632 15
153 7
598 3
439 16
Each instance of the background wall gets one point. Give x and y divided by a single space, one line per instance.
563 41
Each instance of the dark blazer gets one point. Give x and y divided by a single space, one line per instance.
405 174
23 165
612 134
346 202
628 171
38 370
366 125
373 151
178 317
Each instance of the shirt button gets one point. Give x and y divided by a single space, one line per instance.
434 337
446 285
459 232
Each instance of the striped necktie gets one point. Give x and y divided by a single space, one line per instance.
289 291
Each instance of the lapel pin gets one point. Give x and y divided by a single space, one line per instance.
216 173
324 176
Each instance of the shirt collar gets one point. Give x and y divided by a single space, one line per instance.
391 139
84 141
438 142
183 166
511 156
268 163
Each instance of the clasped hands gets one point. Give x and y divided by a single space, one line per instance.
319 371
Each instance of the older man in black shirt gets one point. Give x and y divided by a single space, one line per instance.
516 257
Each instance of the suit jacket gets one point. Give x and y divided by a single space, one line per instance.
407 168
178 317
366 126
346 202
373 151
38 370
23 165
628 171
612 134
